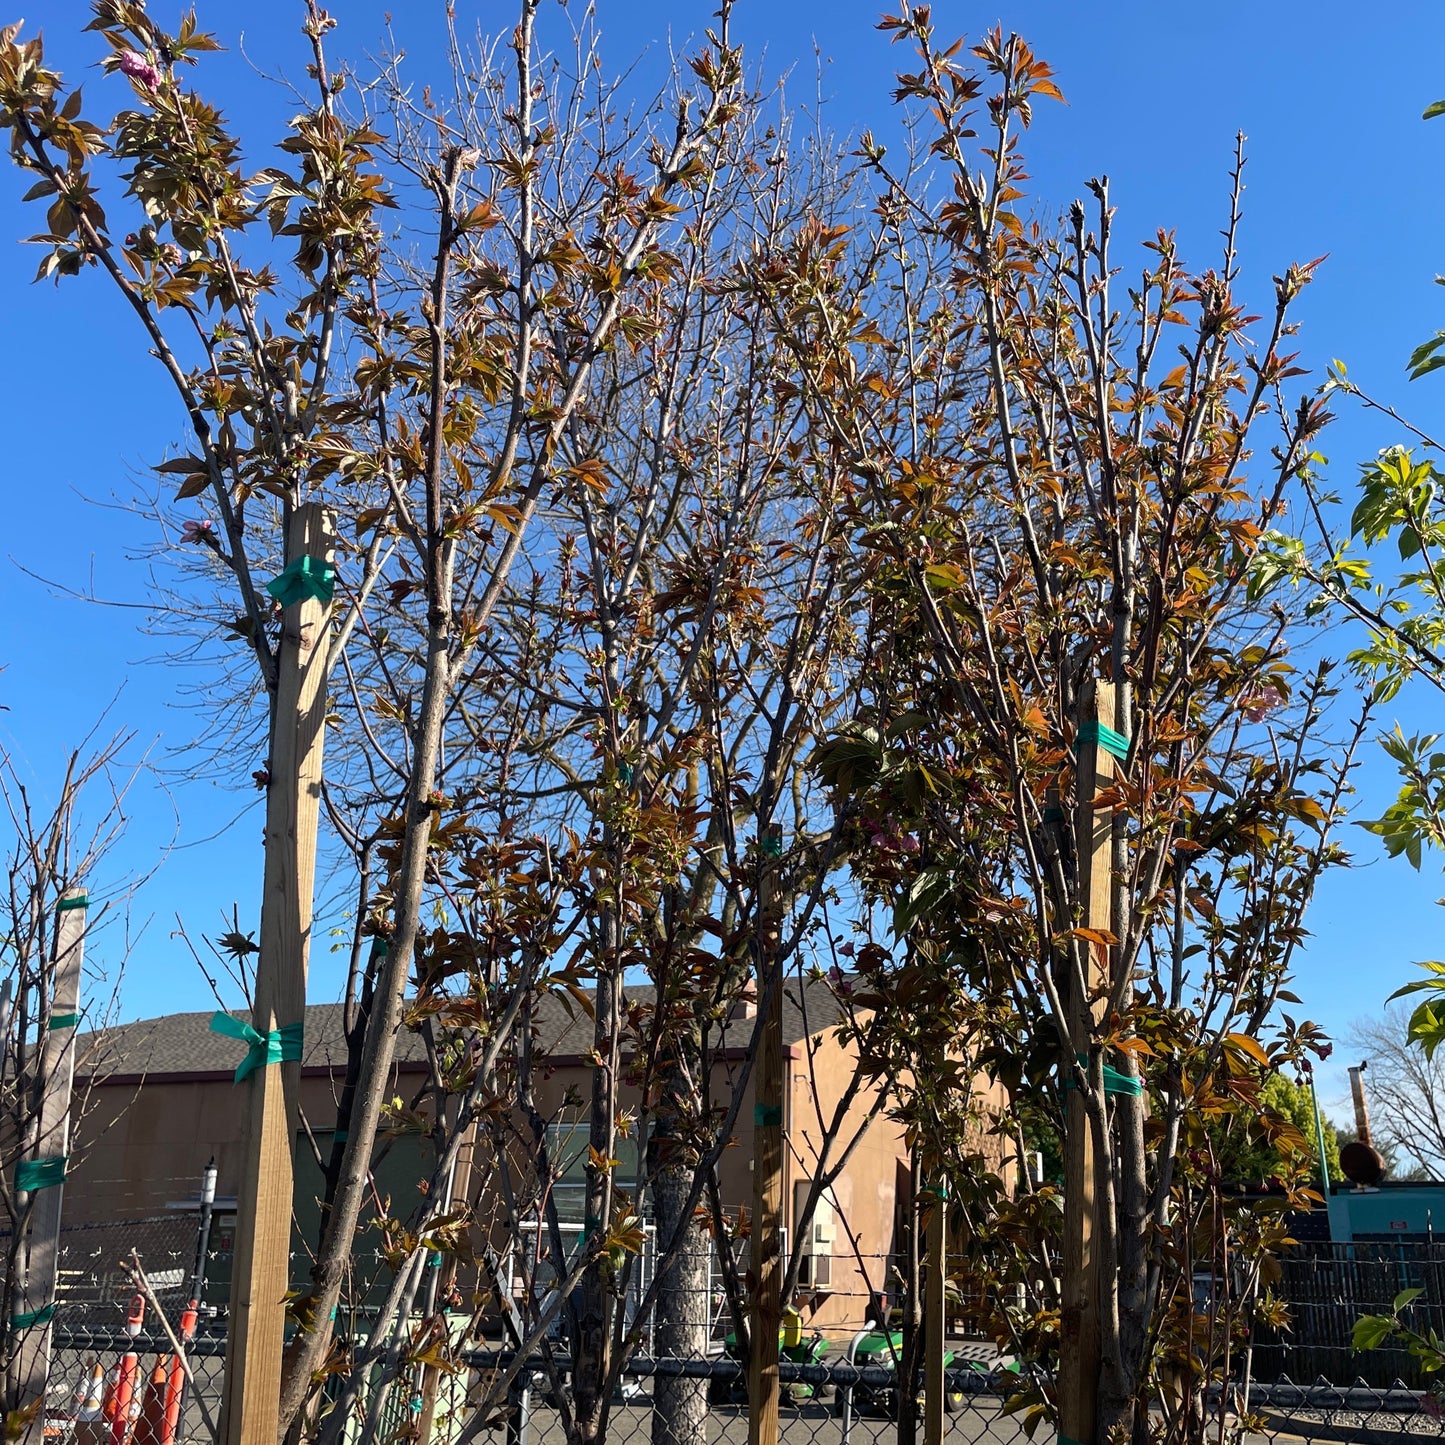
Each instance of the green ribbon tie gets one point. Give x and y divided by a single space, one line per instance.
1094 731
1053 815
63 1021
42 1316
303 578
46 1173
281 1045
1126 1084
773 845
1114 1081
768 1116
1065 1440
81 900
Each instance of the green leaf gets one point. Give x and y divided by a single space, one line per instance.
1406 1296
1427 1028
1431 111
1371 1331
1437 983
929 889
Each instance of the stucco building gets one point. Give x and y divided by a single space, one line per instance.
161 1102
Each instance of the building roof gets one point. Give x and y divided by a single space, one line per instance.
184 1044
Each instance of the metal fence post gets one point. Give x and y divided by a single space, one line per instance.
846 1391
519 1409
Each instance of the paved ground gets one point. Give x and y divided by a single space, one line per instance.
728 1425
979 1422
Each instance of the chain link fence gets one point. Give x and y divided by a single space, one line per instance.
93 1279
832 1402
840 1369
110 1388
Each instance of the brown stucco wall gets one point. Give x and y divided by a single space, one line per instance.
143 1144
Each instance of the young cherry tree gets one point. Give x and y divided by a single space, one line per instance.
675 644
678 634
53 855
592 607
426 406
1093 784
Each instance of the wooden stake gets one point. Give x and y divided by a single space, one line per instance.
1079 1322
934 1322
767 1261
261 1263
41 1262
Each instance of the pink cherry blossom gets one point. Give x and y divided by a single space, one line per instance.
135 65
198 532
1257 706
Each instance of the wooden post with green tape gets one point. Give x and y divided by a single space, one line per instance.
40 1175
1079 1295
260 1271
767 1260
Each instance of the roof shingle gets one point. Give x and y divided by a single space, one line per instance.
183 1043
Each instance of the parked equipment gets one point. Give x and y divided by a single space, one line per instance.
795 1343
882 1349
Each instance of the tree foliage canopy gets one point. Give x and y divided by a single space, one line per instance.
700 485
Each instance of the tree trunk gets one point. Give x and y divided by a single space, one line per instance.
1119 1408
906 1395
591 1349
679 1407
310 1344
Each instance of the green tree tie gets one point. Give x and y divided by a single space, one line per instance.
1114 1081
281 1045
1093 731
303 578
45 1173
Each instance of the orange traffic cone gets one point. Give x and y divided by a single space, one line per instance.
111 1396
90 1418
82 1390
151 1425
126 1402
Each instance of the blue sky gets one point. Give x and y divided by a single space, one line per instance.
1340 163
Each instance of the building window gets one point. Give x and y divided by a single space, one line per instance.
567 1154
